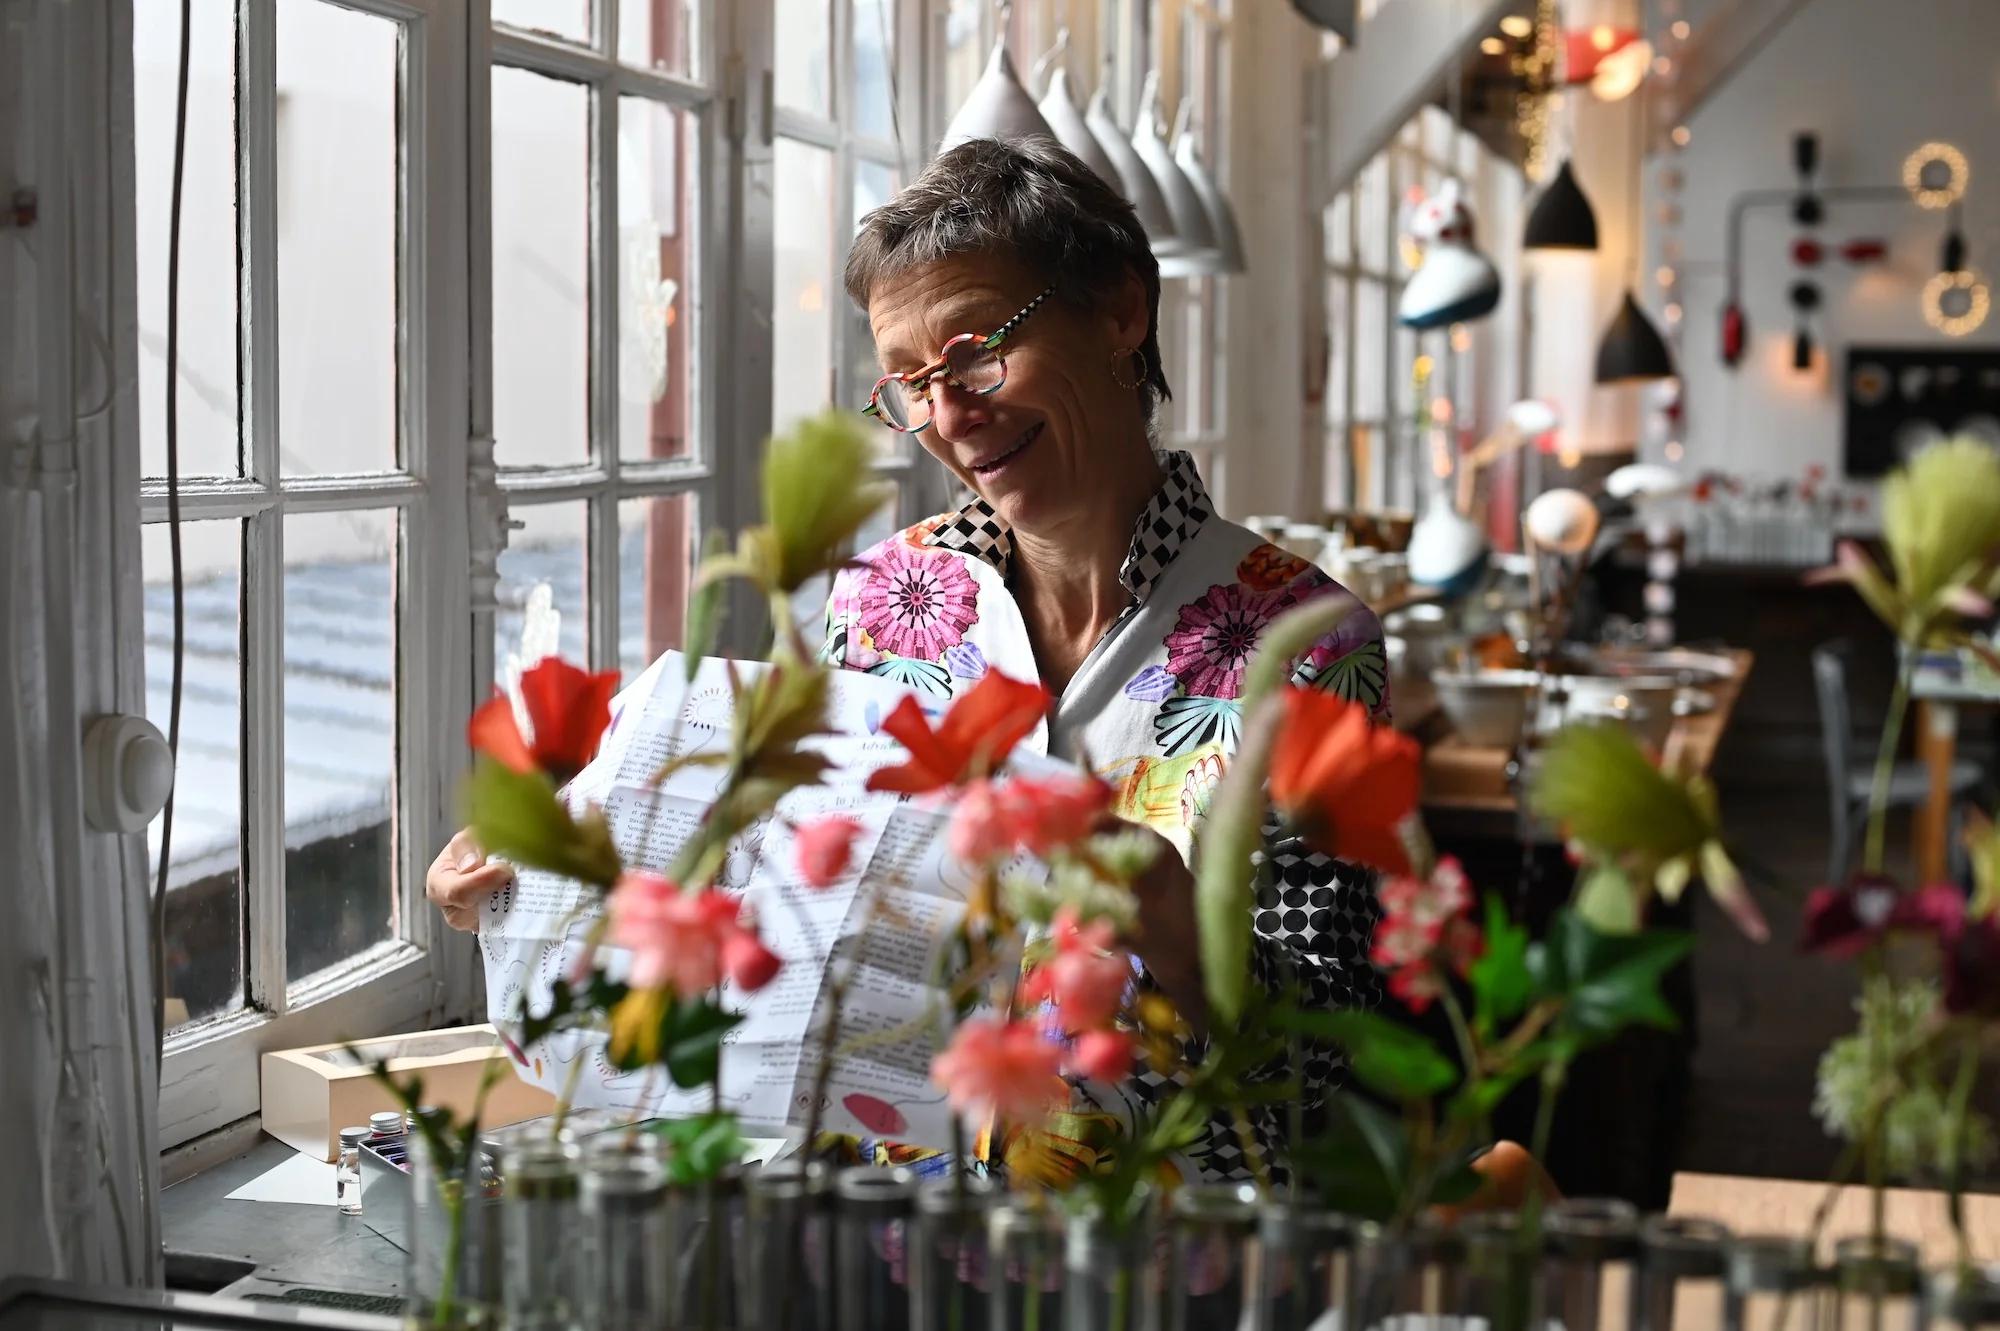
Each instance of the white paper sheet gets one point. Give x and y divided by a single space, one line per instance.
302 1178
884 925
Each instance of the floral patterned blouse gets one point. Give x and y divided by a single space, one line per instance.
1155 706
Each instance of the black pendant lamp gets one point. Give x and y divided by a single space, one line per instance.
1562 218
1342 17
1632 349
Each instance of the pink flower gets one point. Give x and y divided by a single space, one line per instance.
1214 638
1085 979
1416 987
1424 932
916 603
1056 811
1102 1056
1001 1067
685 941
982 826
824 847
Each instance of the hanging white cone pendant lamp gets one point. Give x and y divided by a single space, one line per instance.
1135 182
1191 222
1456 283
1066 122
997 108
1221 217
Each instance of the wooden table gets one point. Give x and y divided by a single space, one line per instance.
1469 778
1785 1206
1940 684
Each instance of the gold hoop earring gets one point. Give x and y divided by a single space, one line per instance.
1138 367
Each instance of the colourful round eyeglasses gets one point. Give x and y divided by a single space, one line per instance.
973 361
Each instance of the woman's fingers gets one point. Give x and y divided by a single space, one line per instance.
461 878
1507 1172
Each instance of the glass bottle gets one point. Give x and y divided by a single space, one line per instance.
1964 1298
1499 1282
1416 1271
949 1271
1682 1262
1773 1285
622 1197
539 1221
1592 1247
1305 1266
1024 1246
347 1173
1210 1260
452 1262
784 1267
1876 1286
1111 1280
872 1209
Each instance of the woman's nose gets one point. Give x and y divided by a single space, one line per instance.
955 412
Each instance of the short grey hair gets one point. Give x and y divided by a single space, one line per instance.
1034 200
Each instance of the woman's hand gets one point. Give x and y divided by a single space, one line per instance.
460 880
1168 941
1506 1173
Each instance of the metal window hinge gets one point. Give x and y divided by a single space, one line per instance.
21 210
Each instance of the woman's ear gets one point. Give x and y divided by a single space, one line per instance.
1128 314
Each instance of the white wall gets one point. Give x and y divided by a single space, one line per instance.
1875 80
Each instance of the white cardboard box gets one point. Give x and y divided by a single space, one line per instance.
310 1094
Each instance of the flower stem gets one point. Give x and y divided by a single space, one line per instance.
1553 1077
1885 764
1956 1113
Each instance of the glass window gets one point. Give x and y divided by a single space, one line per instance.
874 183
661 34
541 595
340 736
567 19
1339 330
204 906
1371 347
658 546
803 282
802 58
541 269
1373 216
964 54
874 47
208 382
1340 230
337 109
657 264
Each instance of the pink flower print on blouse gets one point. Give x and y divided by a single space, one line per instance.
1216 636
916 605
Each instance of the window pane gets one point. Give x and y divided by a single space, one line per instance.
657 544
569 19
964 54
661 34
1373 216
874 47
1338 336
802 60
873 184
337 114
541 269
208 392
657 175
540 596
340 736
1371 350
802 281
1339 233
204 960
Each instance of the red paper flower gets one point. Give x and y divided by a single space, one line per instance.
1846 921
686 941
977 733
568 710
1344 782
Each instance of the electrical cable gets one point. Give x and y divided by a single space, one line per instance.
159 929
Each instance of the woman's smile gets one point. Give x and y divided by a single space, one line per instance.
998 463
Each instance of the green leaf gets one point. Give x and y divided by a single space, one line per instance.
1361 1161
1599 785
691 1042
1605 898
1501 985
700 1148
516 815
1223 874
1387 1057
705 606
817 493
1609 981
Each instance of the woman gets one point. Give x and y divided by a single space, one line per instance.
1014 301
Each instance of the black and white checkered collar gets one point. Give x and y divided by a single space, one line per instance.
1175 513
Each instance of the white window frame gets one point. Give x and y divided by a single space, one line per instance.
209 1076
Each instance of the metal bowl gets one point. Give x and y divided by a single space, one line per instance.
1488 708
